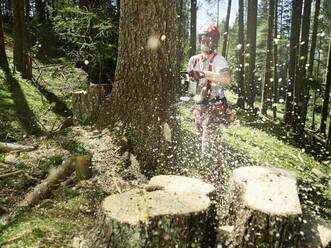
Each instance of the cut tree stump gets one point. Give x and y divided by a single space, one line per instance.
317 232
264 210
86 104
156 216
181 184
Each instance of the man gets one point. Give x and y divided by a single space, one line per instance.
211 72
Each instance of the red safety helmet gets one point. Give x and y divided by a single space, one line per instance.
209 30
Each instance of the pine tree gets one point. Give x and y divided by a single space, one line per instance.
241 58
3 56
193 27
294 46
267 87
251 42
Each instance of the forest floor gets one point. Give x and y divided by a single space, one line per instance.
72 206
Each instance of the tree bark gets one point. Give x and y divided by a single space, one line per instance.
161 215
241 58
19 35
267 87
251 40
294 47
27 71
86 105
325 106
193 28
226 29
3 57
147 74
312 57
275 56
301 89
264 209
41 11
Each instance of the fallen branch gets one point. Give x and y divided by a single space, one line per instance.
8 147
44 189
11 174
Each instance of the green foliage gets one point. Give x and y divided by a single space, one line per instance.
90 37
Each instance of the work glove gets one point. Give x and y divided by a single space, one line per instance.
196 74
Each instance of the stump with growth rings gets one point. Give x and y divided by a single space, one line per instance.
156 216
265 210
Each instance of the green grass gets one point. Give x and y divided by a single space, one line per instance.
53 223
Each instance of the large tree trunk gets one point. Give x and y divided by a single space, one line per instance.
267 87
325 106
241 58
193 28
294 47
226 29
264 209
251 40
147 74
301 89
166 213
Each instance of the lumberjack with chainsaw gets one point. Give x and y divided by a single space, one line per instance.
211 73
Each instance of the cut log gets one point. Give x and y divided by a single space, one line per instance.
264 209
9 147
154 217
86 104
43 190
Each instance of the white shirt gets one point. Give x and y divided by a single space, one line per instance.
219 64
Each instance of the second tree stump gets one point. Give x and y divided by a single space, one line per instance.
265 210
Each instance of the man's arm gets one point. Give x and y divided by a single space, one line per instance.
221 78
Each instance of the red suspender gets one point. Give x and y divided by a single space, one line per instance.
196 61
209 69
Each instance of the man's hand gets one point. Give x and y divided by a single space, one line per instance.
196 74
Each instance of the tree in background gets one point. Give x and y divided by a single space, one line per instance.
145 81
3 56
93 45
312 56
226 30
27 42
294 46
301 92
275 58
193 28
241 58
325 106
267 86
19 37
41 11
251 43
